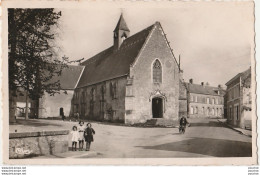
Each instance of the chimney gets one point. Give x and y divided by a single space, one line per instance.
191 81
202 83
219 86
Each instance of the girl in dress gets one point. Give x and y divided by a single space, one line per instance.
89 136
74 138
81 129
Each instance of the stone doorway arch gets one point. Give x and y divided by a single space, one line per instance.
157 107
158 100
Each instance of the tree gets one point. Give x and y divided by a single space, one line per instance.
32 53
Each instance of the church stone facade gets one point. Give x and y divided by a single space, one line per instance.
135 80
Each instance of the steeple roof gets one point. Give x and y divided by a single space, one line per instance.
121 25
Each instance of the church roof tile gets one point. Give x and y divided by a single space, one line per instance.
110 64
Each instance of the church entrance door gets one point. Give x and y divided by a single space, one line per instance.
157 107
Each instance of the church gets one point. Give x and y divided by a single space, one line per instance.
136 79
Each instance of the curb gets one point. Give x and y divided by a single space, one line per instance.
240 132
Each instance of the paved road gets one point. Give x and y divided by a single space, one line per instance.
205 138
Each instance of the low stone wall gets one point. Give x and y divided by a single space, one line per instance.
30 144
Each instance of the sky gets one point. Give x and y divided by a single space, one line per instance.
214 40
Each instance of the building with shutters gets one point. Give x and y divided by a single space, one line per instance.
205 101
239 100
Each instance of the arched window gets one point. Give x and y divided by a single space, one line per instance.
157 72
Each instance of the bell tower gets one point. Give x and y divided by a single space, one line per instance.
121 32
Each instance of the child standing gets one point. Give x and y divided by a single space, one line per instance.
74 138
89 136
81 129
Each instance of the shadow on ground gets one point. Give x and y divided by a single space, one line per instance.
207 124
207 146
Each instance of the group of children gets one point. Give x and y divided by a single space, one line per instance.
81 133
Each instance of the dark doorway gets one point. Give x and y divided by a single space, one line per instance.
61 112
157 107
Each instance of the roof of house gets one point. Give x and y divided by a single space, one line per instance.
244 75
111 63
69 77
206 90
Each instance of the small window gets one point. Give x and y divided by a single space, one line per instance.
93 94
207 100
191 110
157 72
113 90
103 91
82 97
191 98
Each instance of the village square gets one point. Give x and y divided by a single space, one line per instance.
129 100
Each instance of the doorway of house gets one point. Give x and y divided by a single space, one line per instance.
157 107
61 112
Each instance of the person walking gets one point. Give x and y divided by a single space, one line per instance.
81 129
89 136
